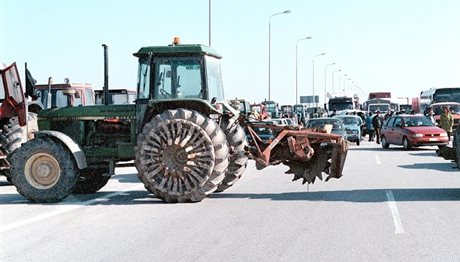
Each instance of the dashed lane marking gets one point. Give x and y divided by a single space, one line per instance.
394 212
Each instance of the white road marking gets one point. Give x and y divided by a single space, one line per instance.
377 160
394 212
65 208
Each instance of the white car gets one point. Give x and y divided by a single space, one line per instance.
281 121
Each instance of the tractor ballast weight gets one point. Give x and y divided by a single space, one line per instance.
185 140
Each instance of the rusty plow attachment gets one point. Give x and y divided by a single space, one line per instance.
307 152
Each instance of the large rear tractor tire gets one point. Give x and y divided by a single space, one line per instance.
236 138
181 156
43 170
91 180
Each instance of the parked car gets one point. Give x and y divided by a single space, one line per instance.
281 121
352 125
412 131
336 123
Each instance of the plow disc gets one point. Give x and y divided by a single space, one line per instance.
308 153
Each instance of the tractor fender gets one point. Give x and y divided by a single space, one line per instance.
74 148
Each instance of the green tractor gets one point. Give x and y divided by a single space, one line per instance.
185 140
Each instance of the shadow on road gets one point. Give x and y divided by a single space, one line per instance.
358 195
143 197
394 148
448 167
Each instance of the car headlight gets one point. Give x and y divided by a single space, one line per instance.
417 135
443 134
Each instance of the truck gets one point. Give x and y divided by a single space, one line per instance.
185 139
341 103
376 95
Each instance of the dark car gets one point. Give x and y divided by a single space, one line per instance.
412 131
336 123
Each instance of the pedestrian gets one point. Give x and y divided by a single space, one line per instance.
370 127
447 121
430 115
334 113
377 124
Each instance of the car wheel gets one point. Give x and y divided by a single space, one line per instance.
358 142
406 143
385 143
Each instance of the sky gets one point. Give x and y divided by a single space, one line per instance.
399 46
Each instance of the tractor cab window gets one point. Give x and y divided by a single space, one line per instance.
178 78
61 99
89 97
143 84
2 91
214 78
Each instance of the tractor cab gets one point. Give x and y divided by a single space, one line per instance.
177 76
11 95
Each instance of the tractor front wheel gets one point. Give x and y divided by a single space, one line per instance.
43 170
181 156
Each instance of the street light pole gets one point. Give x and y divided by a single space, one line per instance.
313 76
340 81
325 82
344 81
269 48
340 70
209 22
296 85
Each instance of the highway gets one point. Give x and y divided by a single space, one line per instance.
390 205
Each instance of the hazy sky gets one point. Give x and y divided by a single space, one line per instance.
402 46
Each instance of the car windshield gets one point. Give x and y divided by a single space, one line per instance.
417 121
349 120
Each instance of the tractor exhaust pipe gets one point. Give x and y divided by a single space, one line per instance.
105 90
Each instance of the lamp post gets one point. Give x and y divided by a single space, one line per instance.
325 82
209 22
340 81
340 70
269 48
343 83
296 86
313 76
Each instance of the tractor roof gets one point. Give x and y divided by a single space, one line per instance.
177 50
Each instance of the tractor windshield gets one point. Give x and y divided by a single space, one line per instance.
178 78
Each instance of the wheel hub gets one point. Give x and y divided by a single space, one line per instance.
42 171
174 158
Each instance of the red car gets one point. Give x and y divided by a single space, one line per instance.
412 131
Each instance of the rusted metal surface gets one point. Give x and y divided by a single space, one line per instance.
308 153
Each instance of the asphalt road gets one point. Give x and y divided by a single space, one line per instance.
390 205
